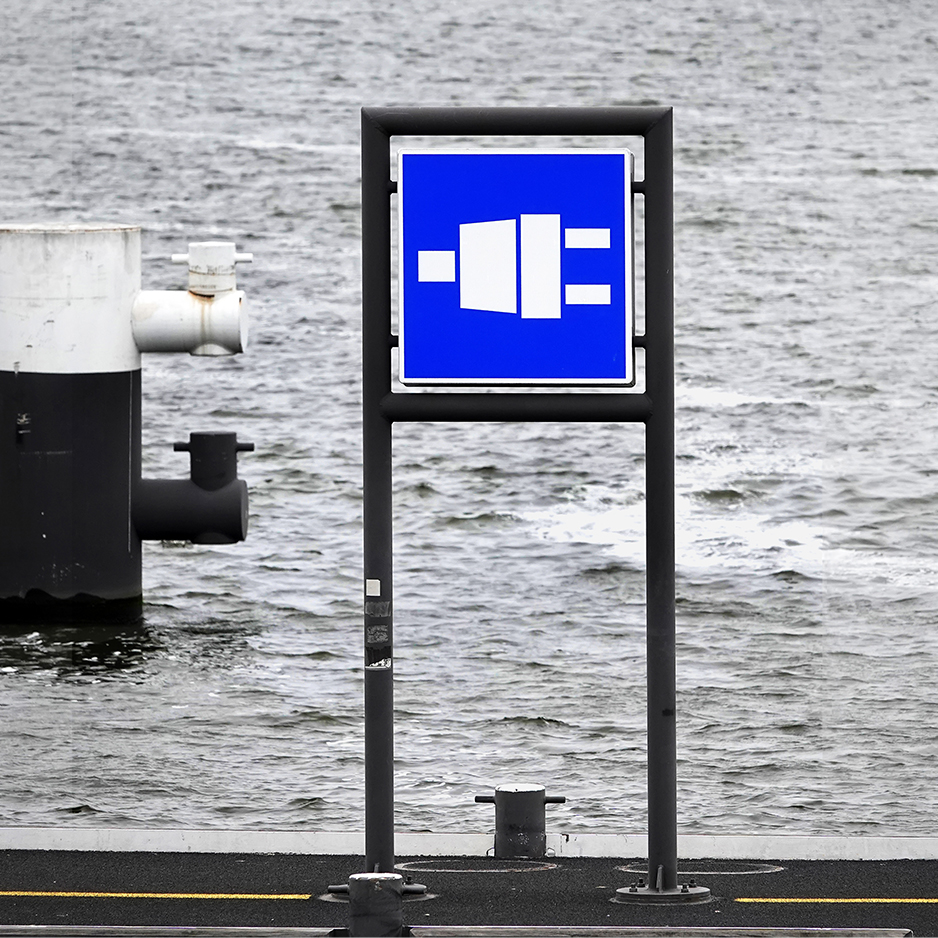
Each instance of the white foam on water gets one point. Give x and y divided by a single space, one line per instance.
703 539
686 396
731 541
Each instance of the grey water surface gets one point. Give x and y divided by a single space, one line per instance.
806 249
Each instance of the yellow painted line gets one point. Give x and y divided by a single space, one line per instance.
152 895
841 901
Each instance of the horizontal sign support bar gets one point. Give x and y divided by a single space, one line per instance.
579 408
627 121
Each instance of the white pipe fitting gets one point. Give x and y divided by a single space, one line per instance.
210 319
177 321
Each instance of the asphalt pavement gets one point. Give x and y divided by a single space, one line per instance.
199 890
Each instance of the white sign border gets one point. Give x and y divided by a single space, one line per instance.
630 373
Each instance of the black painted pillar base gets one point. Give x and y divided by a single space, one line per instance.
69 458
38 610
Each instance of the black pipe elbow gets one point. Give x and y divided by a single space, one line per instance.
211 507
178 510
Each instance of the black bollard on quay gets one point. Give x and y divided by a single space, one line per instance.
520 824
73 507
375 904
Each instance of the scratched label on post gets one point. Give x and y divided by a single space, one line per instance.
380 610
377 635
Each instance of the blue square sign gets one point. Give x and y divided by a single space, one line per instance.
516 267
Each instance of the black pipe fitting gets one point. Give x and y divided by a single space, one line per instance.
213 458
210 507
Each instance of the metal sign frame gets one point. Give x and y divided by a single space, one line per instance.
382 407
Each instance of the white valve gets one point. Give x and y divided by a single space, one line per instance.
208 319
212 266
181 321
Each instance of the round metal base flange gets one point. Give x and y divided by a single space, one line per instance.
642 895
412 892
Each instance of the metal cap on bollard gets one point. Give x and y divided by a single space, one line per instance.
375 904
213 458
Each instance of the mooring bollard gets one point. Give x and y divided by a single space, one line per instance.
375 904
520 824
73 324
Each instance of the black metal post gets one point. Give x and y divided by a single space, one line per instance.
378 545
659 502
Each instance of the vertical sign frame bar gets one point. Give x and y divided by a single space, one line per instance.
659 506
655 408
377 504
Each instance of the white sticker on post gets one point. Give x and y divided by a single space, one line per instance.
372 587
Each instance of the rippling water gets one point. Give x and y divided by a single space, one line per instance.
806 207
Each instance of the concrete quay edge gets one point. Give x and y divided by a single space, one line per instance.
421 843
